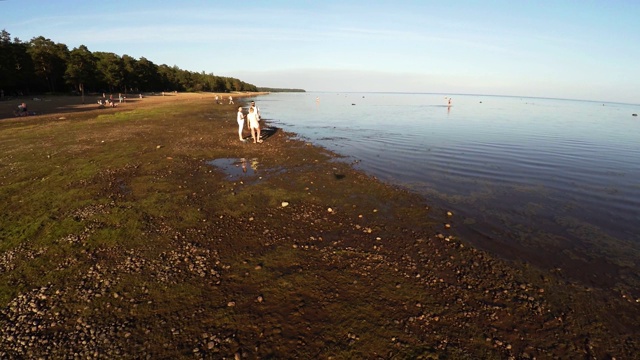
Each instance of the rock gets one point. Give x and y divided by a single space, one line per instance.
285 204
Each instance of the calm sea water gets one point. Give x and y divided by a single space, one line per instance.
552 182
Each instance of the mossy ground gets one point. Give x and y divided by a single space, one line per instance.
118 239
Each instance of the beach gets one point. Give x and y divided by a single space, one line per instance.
65 106
120 238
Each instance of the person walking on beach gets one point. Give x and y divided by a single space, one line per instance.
230 100
254 125
240 119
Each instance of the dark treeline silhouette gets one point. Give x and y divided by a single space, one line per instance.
42 66
268 89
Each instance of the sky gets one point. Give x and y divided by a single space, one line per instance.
571 49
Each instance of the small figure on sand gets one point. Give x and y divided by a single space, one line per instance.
230 100
108 102
240 119
22 110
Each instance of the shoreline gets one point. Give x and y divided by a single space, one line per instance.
71 105
162 254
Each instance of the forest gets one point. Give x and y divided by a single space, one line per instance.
43 66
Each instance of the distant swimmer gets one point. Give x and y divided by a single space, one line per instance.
449 102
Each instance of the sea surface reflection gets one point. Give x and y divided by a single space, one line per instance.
551 182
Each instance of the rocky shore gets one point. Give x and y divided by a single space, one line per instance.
120 239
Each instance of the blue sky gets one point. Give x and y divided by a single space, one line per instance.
566 49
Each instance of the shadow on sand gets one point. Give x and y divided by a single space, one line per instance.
267 132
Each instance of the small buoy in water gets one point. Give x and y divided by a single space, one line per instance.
634 114
352 104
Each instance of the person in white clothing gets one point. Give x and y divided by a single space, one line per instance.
256 110
240 119
254 125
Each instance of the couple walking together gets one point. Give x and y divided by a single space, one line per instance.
253 122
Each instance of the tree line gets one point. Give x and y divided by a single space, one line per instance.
268 89
43 66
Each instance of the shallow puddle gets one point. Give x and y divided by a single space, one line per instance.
237 168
